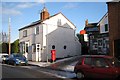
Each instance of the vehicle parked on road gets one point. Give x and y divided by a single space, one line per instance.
3 57
98 67
17 59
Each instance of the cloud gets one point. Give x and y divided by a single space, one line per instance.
70 6
10 11
41 1
26 5
25 0
11 8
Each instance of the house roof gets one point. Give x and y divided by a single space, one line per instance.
103 17
91 25
32 24
40 21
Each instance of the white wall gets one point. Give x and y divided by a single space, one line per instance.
63 37
102 24
50 25
60 36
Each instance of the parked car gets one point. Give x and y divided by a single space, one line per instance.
17 59
3 58
98 67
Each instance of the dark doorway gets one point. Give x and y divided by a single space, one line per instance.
117 48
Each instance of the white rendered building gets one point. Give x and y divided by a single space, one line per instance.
50 32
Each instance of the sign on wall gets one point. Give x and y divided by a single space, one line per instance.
86 37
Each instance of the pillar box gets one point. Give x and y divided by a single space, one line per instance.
53 55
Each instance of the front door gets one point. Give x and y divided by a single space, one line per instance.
38 52
26 50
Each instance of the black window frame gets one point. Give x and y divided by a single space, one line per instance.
106 27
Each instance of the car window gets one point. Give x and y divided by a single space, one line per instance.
5 56
18 55
87 61
99 62
114 62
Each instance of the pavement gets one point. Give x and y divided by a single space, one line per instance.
66 64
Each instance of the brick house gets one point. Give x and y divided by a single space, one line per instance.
114 28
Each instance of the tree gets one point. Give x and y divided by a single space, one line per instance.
80 37
83 43
15 46
4 48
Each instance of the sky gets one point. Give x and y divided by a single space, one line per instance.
24 13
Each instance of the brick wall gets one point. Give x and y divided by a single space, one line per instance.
114 24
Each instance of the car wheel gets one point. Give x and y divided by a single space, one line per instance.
80 75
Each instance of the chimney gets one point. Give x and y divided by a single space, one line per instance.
86 22
44 14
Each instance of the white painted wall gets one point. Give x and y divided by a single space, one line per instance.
102 24
63 37
60 36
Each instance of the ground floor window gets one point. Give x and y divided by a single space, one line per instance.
24 47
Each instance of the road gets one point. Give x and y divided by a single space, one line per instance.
16 72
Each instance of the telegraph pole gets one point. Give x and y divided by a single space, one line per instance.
9 36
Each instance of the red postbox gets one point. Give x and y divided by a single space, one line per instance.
53 55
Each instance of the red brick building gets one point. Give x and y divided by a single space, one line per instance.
114 28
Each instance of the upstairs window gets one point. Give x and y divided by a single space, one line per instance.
59 22
106 27
37 30
25 33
